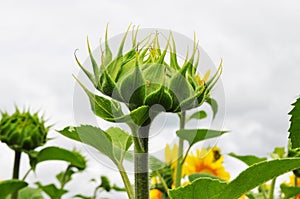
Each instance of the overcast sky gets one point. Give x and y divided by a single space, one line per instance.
257 40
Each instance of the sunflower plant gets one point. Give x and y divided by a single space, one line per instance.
26 134
147 83
148 80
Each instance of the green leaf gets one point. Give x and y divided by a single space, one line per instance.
93 61
102 107
196 135
204 188
91 136
295 124
121 142
129 63
133 88
255 195
108 53
214 106
139 116
173 55
289 191
65 176
154 75
198 115
108 86
213 80
180 89
87 73
30 193
113 143
160 96
8 187
248 159
191 102
56 153
196 176
257 174
52 191
295 153
105 184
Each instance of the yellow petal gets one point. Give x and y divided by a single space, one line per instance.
171 154
206 76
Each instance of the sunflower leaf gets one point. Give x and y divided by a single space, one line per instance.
198 115
30 193
8 187
289 191
204 188
92 136
248 159
113 142
196 135
295 125
214 106
257 174
56 153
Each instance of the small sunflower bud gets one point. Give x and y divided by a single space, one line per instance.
23 131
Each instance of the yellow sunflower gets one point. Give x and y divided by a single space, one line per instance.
208 161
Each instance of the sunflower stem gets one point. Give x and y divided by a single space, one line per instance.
272 188
180 152
16 171
141 165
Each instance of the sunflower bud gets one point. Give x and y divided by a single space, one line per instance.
148 75
22 131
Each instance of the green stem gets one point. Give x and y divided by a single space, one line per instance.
180 153
26 174
263 191
16 171
141 165
185 155
271 193
126 181
63 180
95 192
162 180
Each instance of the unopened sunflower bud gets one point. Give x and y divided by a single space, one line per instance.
147 74
23 131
